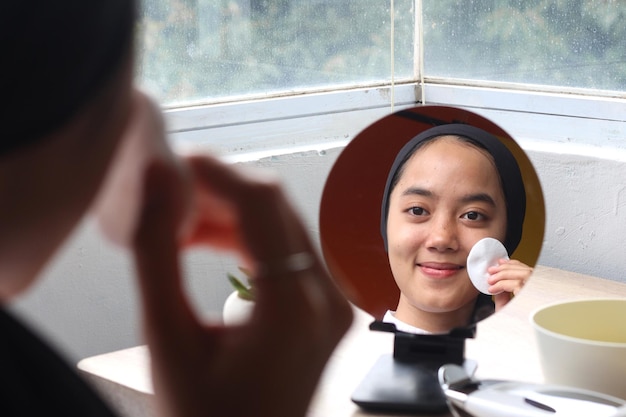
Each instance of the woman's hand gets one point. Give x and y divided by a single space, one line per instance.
507 279
269 366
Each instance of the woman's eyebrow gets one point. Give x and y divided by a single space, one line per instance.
468 198
417 191
478 197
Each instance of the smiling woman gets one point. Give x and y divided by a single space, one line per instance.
455 178
448 188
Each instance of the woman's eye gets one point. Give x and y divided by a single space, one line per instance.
473 215
417 211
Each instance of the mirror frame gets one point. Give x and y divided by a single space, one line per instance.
350 209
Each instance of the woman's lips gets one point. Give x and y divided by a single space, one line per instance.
439 270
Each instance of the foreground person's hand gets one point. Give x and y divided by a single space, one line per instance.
267 367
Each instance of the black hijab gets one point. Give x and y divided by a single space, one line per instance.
55 57
506 164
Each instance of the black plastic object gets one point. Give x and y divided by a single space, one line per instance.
407 381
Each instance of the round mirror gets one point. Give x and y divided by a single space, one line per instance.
351 230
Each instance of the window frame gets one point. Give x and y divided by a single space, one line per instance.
318 120
252 128
584 117
312 121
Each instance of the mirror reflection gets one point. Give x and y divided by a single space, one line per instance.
406 202
448 188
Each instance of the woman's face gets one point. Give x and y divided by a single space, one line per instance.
448 197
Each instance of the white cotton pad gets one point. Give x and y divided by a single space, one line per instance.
484 254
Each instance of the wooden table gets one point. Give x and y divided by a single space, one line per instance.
504 348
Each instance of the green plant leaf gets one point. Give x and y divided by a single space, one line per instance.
247 272
243 291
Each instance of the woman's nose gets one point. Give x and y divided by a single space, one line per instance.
443 234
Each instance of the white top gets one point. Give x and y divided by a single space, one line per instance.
390 317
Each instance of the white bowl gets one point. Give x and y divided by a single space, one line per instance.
583 344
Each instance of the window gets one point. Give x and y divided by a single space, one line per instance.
206 51
299 71
571 44
542 69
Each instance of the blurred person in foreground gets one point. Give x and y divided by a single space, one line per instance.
68 107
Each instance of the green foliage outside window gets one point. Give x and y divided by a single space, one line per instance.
198 49
193 50
571 43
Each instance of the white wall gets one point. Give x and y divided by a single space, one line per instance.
585 194
86 302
